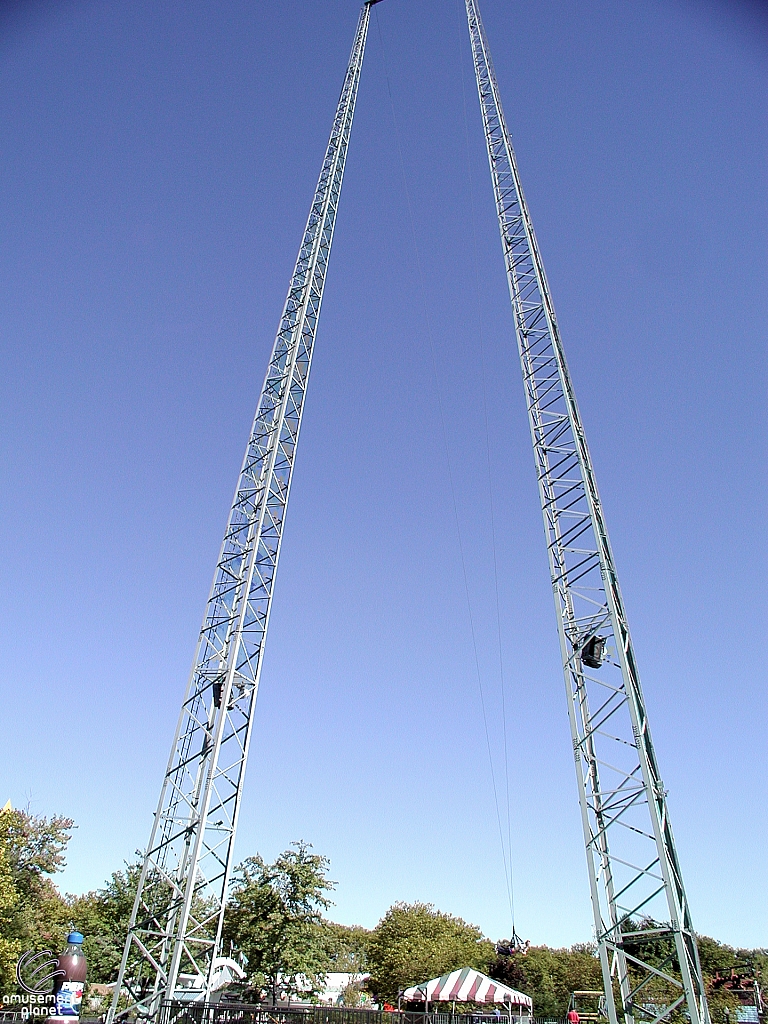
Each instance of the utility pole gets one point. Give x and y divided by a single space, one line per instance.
177 917
643 926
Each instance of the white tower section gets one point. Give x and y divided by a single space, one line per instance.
643 927
177 917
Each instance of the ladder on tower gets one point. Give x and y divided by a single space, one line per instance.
636 885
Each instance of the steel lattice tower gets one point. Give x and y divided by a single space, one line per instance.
178 913
636 884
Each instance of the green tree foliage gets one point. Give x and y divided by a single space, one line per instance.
274 917
33 914
103 917
346 947
10 945
352 994
549 976
717 962
34 846
414 942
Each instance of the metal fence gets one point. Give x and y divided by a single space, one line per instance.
245 1013
248 1013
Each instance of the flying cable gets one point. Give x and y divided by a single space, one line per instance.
488 464
428 322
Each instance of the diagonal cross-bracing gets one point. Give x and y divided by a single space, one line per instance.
634 874
177 917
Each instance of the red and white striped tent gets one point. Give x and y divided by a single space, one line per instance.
467 986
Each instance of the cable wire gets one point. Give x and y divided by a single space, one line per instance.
488 463
428 322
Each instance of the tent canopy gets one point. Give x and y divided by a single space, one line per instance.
467 986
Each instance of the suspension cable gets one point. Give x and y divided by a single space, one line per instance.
481 338
428 322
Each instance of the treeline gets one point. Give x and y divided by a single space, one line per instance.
275 921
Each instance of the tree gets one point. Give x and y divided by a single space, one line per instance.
33 845
352 994
346 946
33 914
414 942
10 945
273 918
103 917
549 976
717 962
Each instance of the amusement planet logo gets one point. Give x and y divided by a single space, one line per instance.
34 976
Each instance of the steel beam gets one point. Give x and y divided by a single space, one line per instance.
177 918
635 879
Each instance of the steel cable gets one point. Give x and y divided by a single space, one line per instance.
428 322
481 339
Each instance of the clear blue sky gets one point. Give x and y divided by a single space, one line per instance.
157 162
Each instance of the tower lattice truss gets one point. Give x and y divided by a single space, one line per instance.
636 885
643 929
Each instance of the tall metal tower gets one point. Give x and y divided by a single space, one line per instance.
178 913
642 920
643 926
